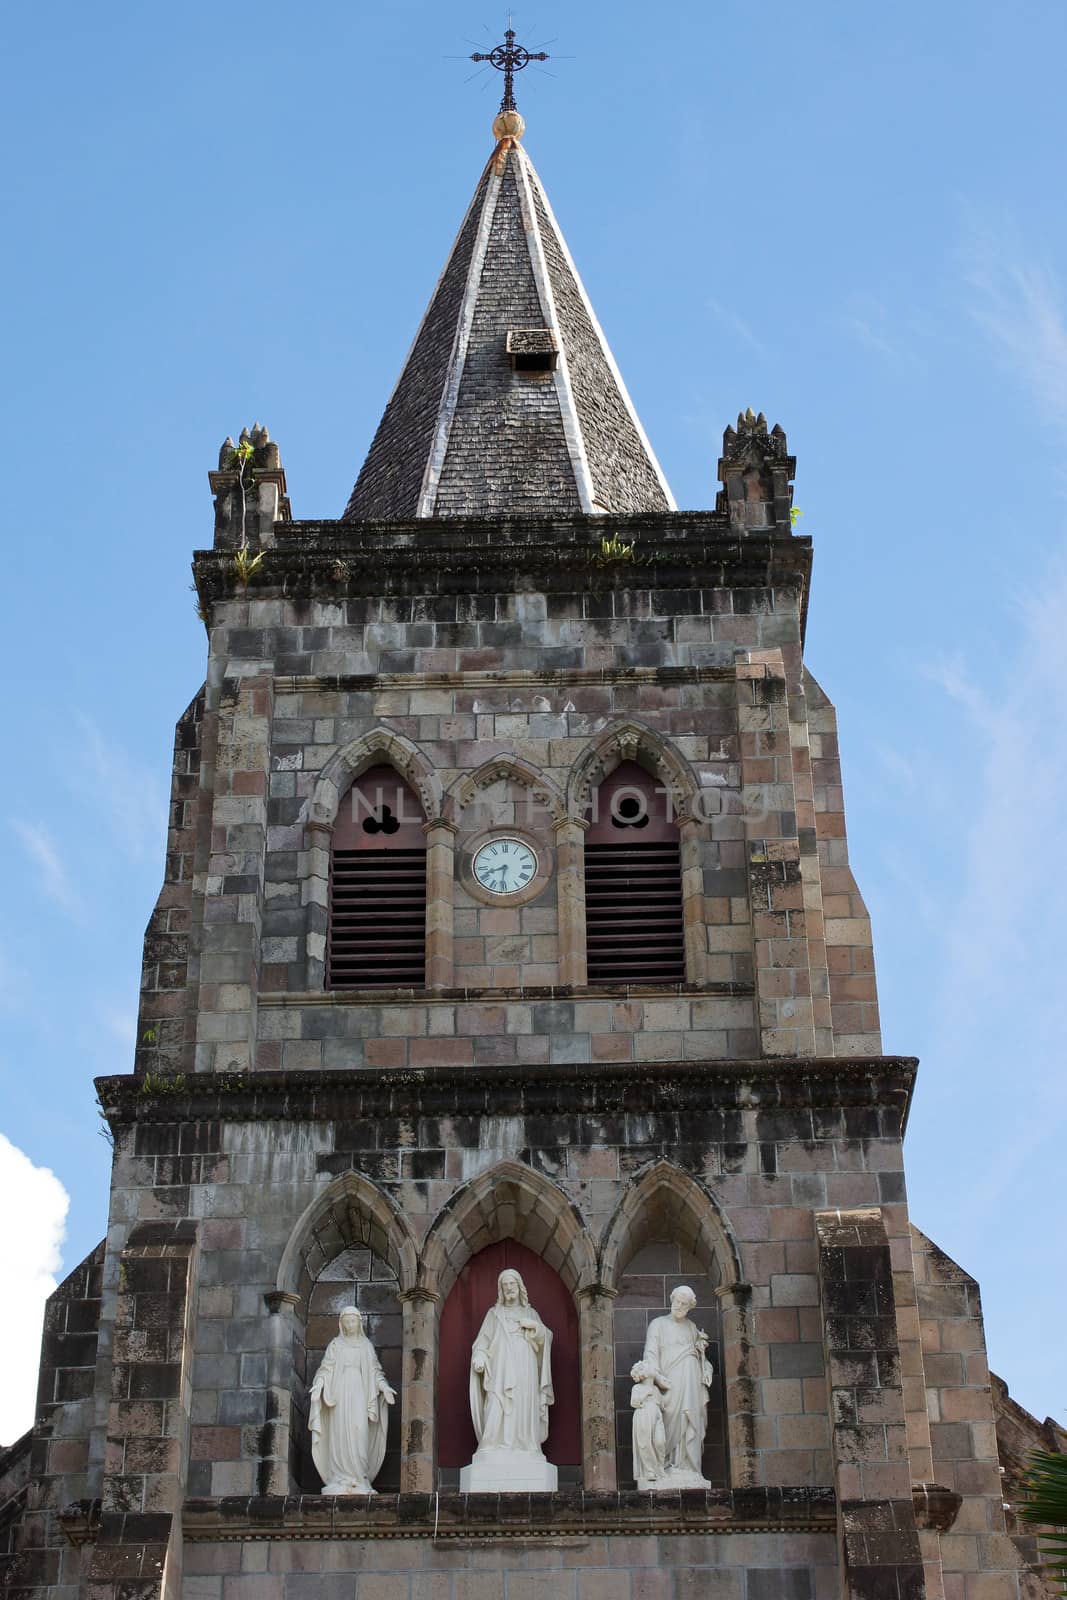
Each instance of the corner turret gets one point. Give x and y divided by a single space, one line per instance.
249 489
756 472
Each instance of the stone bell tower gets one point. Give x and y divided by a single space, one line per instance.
508 928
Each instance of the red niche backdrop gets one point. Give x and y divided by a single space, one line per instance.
472 1294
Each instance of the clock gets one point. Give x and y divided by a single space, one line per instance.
504 865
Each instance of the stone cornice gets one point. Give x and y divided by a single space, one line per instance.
558 678
575 1512
568 1513
673 550
881 1085
355 998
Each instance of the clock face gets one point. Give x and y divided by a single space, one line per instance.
504 866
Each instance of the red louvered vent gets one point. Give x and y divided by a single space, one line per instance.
377 920
633 884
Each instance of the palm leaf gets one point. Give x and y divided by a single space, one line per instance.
1045 1507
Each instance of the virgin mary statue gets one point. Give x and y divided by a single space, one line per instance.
349 1411
511 1391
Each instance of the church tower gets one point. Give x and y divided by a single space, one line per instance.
509 955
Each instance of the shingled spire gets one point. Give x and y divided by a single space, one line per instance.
510 402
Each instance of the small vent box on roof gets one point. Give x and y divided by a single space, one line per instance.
532 349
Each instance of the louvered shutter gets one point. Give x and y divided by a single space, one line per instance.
633 884
377 918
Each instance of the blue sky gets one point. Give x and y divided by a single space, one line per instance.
847 216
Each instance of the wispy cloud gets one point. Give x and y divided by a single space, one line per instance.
1001 991
737 327
867 320
1017 301
127 794
54 879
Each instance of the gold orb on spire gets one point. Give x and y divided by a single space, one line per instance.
508 125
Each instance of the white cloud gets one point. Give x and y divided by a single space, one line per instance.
29 1259
55 880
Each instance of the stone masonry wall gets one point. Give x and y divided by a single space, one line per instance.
704 1155
506 710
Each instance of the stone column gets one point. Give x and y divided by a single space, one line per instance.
232 907
776 891
148 1420
739 1387
878 1539
274 1451
440 879
693 919
418 1391
570 881
315 894
596 1335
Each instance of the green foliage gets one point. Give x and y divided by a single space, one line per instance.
1045 1507
104 1130
160 1083
242 457
246 565
795 515
614 549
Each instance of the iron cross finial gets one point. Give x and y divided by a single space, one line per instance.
510 58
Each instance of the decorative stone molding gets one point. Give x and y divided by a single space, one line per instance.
351 1210
278 1299
632 741
381 745
501 769
508 1201
567 1513
662 1193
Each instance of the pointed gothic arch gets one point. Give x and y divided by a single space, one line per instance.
508 1201
352 1210
662 1196
505 768
380 746
632 741
671 945
668 1229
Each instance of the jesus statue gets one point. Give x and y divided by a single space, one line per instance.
511 1391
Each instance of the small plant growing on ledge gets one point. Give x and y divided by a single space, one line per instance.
160 1083
795 515
246 565
614 550
241 461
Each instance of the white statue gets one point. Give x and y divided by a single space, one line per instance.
677 1350
348 1414
511 1391
649 1435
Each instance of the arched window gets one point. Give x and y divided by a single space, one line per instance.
633 882
376 935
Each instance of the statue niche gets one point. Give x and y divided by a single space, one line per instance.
508 1378
669 1398
348 1412
356 1279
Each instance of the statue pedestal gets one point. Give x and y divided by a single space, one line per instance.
508 1472
675 1478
